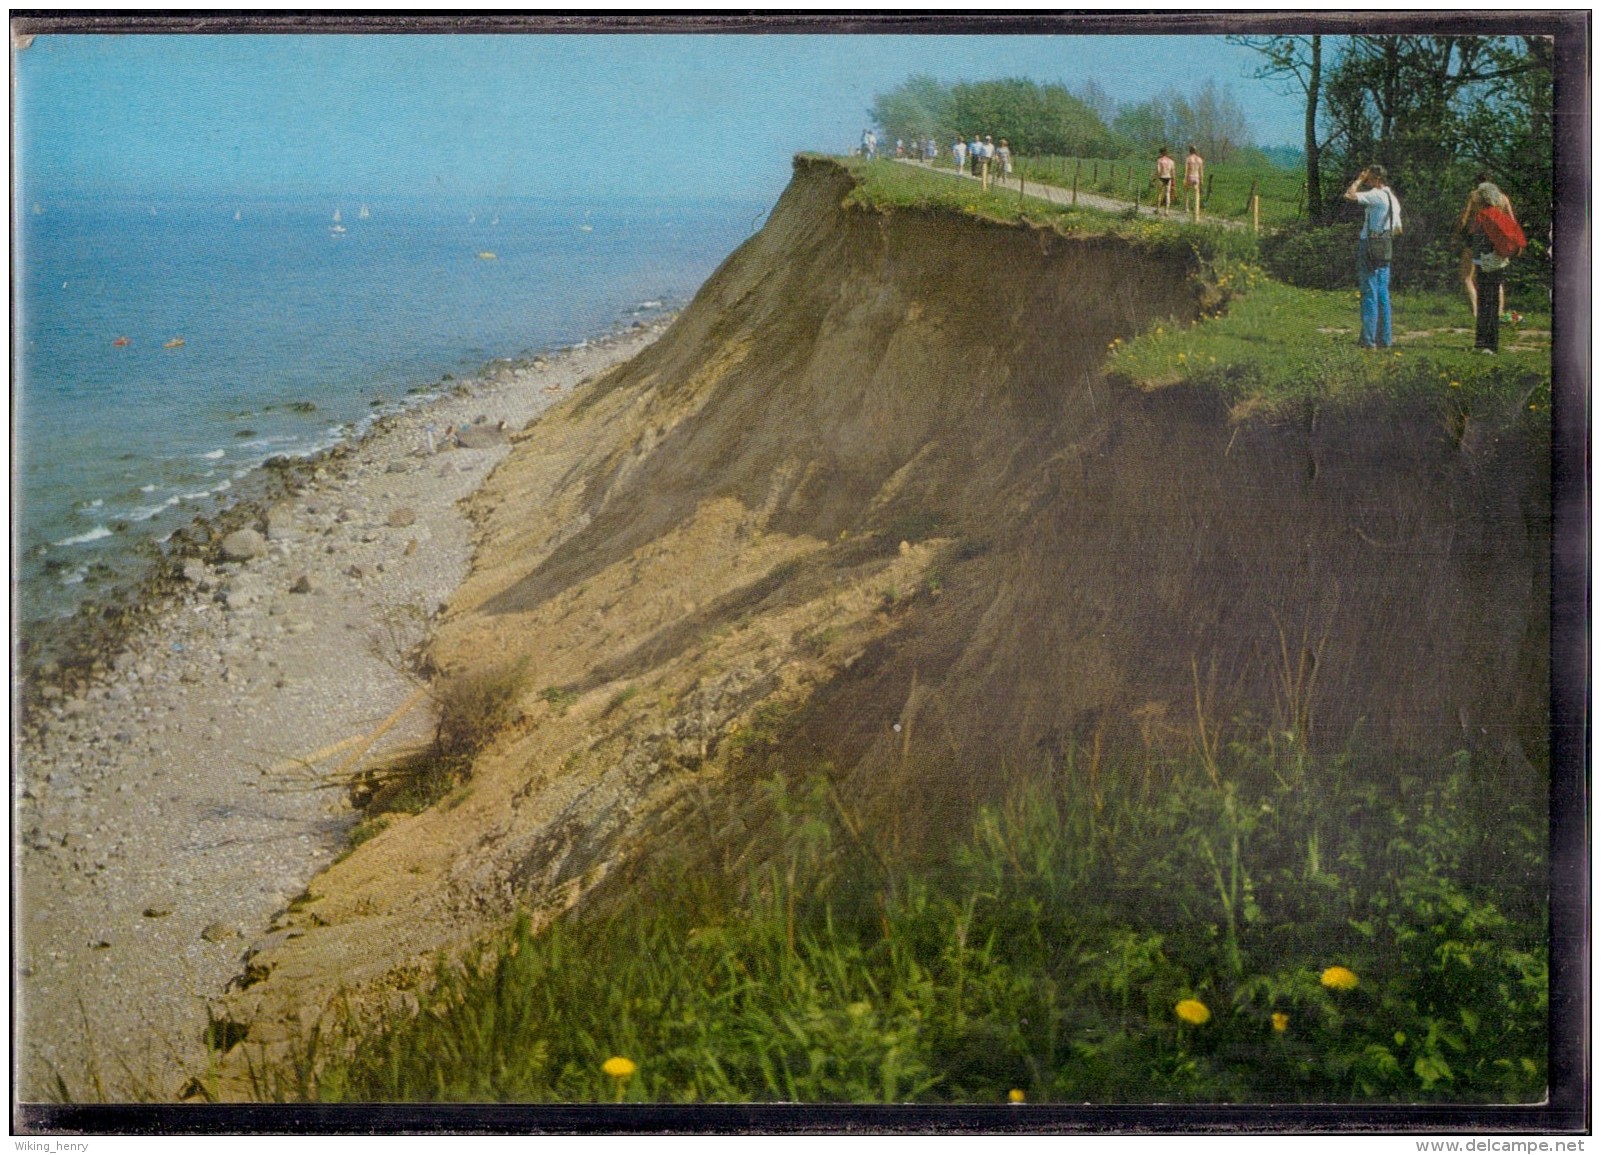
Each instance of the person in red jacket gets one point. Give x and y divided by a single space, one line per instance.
1490 267
1468 268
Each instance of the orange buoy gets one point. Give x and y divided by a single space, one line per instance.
120 341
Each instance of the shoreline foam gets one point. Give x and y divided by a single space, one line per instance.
65 656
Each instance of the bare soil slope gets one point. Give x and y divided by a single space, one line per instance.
871 505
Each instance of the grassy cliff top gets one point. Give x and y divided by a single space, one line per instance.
888 185
1271 345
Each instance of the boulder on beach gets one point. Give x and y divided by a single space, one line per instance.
402 517
480 436
195 571
243 544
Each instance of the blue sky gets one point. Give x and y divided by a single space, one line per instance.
519 115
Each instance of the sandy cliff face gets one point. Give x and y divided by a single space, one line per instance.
872 504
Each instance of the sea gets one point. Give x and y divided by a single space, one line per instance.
165 348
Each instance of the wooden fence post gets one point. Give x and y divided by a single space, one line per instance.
1075 186
1256 214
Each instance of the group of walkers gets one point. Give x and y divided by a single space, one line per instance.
1487 232
982 157
1166 169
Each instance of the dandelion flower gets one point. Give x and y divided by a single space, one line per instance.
1339 979
1192 1011
1015 1095
1456 384
1281 1021
618 1067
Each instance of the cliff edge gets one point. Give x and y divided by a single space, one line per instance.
872 508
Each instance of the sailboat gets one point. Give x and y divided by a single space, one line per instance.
586 227
336 228
363 214
236 214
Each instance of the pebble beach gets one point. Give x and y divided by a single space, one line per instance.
165 812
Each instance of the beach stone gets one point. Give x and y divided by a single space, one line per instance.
243 544
281 524
219 932
402 517
238 599
399 467
157 911
480 436
305 584
196 572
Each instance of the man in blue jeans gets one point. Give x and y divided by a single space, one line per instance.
1381 221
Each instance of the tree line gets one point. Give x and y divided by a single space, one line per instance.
1048 120
1435 111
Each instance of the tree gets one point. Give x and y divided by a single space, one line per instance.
916 110
1212 120
1035 119
1436 109
1297 62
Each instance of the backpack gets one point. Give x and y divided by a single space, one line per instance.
1503 233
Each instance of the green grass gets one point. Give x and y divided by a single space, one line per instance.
1281 192
888 185
1047 955
1275 345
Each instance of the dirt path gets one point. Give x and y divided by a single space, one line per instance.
164 816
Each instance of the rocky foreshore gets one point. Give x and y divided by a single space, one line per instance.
169 804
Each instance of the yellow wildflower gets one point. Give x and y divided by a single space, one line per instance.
1456 384
1339 979
1015 1095
618 1067
1192 1011
1281 1021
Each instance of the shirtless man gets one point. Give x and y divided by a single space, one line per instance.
1164 175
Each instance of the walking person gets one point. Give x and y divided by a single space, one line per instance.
1003 156
1165 171
1381 222
959 155
1490 267
1193 165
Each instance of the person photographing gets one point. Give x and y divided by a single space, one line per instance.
1381 223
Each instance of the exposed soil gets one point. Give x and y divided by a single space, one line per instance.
871 505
